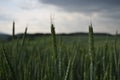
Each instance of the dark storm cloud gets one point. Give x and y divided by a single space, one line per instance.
84 5
105 13
105 9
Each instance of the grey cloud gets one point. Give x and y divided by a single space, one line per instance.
84 5
108 11
4 18
105 9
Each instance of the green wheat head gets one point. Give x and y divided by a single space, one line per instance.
54 39
91 42
91 51
13 30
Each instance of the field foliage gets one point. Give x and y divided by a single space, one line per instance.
61 57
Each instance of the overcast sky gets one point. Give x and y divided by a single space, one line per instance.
69 15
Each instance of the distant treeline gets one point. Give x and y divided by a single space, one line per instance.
63 34
32 36
60 34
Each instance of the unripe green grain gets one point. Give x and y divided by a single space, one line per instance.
13 30
54 39
91 51
91 42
